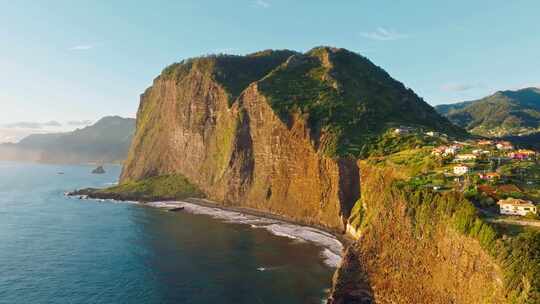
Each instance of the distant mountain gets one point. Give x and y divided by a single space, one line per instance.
505 113
108 140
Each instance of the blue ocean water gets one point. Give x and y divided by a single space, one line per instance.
55 249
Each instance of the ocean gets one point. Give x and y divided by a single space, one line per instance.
57 249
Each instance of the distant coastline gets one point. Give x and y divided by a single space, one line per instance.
106 141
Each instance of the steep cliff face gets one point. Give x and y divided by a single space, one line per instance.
240 153
282 132
277 130
411 253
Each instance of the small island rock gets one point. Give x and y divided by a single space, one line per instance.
98 170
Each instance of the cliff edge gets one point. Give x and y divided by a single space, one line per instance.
283 132
278 131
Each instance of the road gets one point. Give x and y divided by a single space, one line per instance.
514 222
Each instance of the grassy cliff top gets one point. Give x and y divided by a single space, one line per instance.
165 187
348 101
235 73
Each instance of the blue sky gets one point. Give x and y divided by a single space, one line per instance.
80 60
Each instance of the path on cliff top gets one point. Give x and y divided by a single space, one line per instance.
514 222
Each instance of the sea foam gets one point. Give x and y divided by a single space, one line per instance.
332 247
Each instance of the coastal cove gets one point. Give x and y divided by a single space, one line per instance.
332 246
59 248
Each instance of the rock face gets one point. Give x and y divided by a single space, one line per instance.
239 155
412 254
209 120
281 132
351 283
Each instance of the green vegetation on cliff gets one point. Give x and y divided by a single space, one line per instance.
200 120
349 102
203 82
390 143
519 256
428 211
167 187
233 72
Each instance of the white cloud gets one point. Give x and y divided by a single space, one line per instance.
459 87
527 85
15 131
384 34
78 123
32 125
82 47
225 51
15 135
262 4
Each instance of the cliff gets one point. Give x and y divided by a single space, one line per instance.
427 247
412 254
277 131
282 132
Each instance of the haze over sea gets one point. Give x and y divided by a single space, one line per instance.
55 249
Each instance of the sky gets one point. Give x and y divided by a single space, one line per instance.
76 61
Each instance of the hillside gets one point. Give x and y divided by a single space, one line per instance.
108 140
286 133
505 113
273 127
347 100
416 245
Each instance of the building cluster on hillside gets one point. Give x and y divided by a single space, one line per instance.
447 150
522 154
490 154
405 130
490 176
491 167
499 151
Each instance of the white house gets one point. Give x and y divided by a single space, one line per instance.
514 206
505 145
450 150
461 169
402 130
466 157
433 134
438 150
485 142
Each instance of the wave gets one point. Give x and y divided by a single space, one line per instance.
269 268
99 200
332 246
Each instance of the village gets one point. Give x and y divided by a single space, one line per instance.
497 177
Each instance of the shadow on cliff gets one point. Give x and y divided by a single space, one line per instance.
351 282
